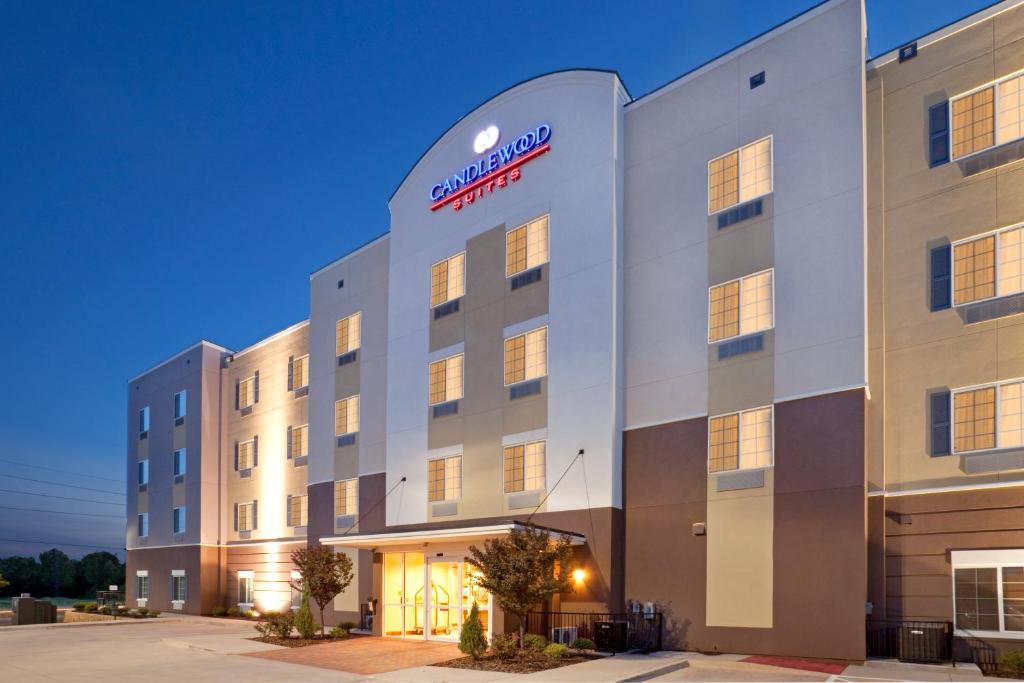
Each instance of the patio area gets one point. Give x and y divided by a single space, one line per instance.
366 655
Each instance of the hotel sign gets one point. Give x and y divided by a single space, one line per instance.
494 170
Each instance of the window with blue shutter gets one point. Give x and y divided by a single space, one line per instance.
941 277
940 423
938 134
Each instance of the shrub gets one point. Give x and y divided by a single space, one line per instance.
219 611
1012 663
339 631
143 611
121 609
154 612
274 624
90 607
304 623
583 644
472 640
506 646
533 641
232 611
348 625
248 614
555 651
78 606
104 609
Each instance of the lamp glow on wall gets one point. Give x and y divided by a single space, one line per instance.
578 576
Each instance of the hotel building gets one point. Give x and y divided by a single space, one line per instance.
752 341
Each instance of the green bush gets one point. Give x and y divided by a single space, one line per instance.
143 611
347 625
248 614
91 607
154 612
583 644
78 606
219 611
472 640
122 609
1012 663
555 651
304 623
232 611
533 641
339 631
274 624
506 646
104 609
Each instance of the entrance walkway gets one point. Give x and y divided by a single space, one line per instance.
366 654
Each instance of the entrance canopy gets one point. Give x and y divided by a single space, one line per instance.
408 537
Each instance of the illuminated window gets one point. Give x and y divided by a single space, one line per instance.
245 581
1011 110
346 497
740 441
143 524
179 586
245 454
300 441
973 122
524 467
448 279
247 392
246 516
1011 261
974 419
142 585
298 510
974 270
296 589
526 356
300 372
346 415
446 379
989 417
346 334
444 479
742 306
740 175
526 246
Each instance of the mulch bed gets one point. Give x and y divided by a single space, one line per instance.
299 642
523 664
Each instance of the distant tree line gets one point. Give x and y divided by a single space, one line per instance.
55 574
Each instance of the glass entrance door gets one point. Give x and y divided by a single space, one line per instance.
404 597
445 597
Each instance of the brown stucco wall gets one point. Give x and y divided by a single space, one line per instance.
203 567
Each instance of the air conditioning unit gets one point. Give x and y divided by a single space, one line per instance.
565 635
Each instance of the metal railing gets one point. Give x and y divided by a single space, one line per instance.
614 632
911 641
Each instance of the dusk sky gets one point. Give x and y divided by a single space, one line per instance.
174 171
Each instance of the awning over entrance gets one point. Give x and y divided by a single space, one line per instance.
467 534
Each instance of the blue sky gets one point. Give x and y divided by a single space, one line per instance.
171 171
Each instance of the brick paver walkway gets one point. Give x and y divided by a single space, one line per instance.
366 654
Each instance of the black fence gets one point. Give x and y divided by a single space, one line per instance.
610 632
928 642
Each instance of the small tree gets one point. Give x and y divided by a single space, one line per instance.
523 569
472 641
325 574
304 623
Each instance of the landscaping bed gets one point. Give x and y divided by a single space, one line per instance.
297 641
90 611
529 663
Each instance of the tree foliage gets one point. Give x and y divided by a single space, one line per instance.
55 574
523 569
304 623
324 573
472 640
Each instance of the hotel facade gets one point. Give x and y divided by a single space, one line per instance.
752 341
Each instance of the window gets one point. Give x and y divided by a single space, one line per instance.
524 467
448 279
180 401
740 441
445 479
988 116
245 585
247 516
245 454
988 590
300 372
988 266
247 392
180 459
526 356
346 497
143 472
298 510
179 587
295 585
143 524
526 247
740 175
142 585
446 379
346 415
179 520
988 417
741 307
300 441
346 334
144 420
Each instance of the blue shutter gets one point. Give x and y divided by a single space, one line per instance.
236 516
288 513
288 446
236 393
255 516
236 456
938 134
291 373
940 423
256 387
255 451
942 282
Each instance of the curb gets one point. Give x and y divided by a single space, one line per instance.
655 673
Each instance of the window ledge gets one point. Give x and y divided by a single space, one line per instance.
247 410
301 391
990 635
989 309
177 604
991 157
179 421
300 460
